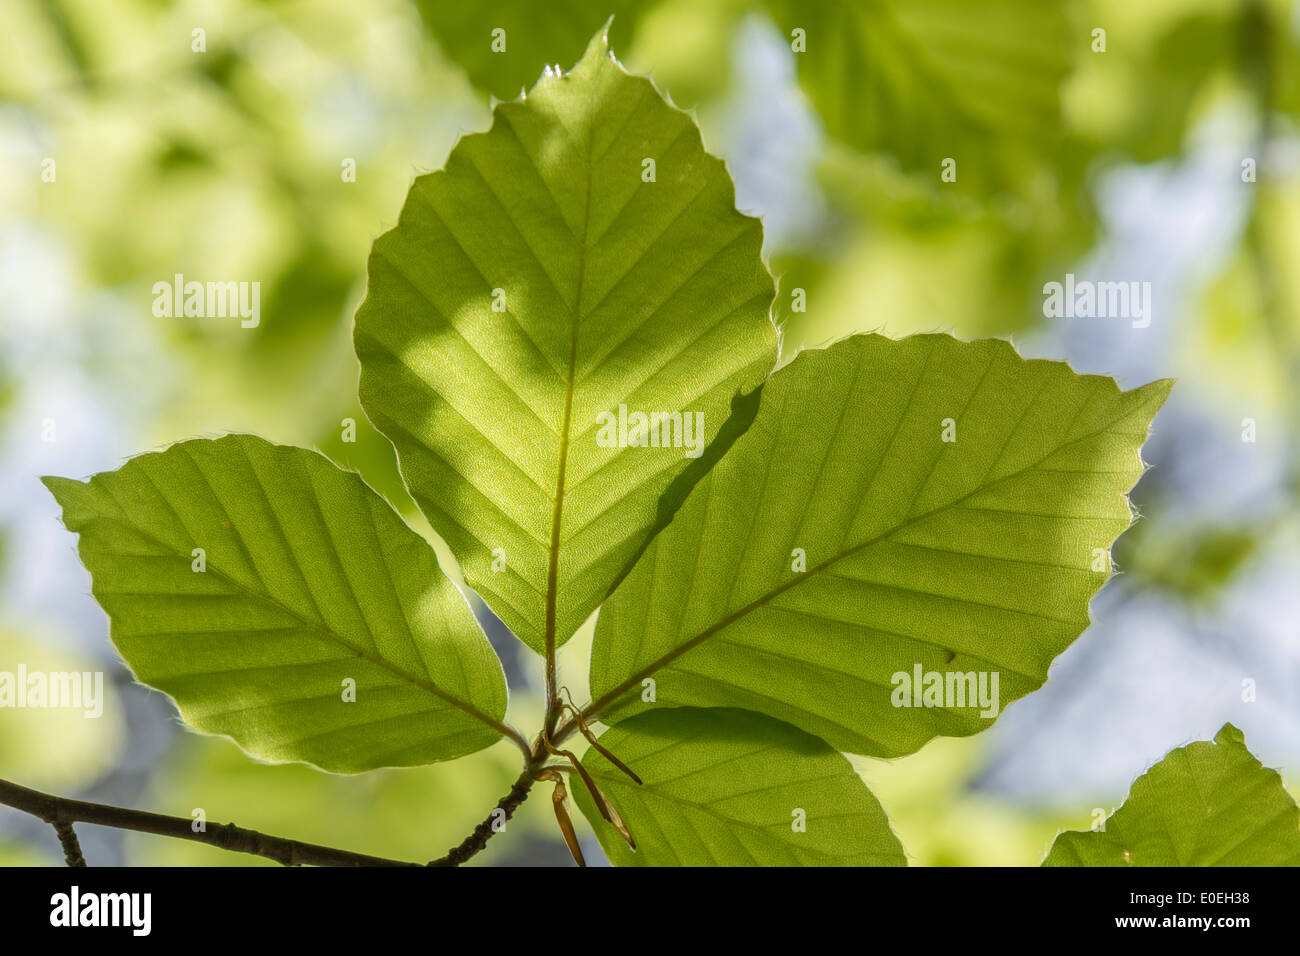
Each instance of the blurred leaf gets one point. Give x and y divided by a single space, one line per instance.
313 288
70 39
734 788
180 154
842 541
1180 65
926 80
1212 559
534 36
911 258
1229 343
310 581
530 288
969 278
944 819
1196 564
1285 64
686 47
1206 804
1157 76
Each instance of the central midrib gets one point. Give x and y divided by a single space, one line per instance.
557 517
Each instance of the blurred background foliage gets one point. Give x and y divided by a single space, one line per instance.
835 118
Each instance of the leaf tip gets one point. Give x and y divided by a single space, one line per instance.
61 488
1229 733
1160 388
598 46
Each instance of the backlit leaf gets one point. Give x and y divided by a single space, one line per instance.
844 544
1206 804
307 580
729 787
543 279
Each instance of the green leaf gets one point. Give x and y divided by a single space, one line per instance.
976 556
1206 804
1142 97
531 36
615 292
926 80
725 787
309 579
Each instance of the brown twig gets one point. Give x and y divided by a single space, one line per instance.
502 812
71 845
62 812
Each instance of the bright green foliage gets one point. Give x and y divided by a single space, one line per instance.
1206 804
927 80
536 283
734 788
872 508
309 579
977 554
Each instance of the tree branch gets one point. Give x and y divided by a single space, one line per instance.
506 806
62 812
71 845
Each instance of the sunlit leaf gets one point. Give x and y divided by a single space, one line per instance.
897 506
1206 804
283 603
547 277
729 787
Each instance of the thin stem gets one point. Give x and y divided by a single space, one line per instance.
71 845
62 812
495 821
565 729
